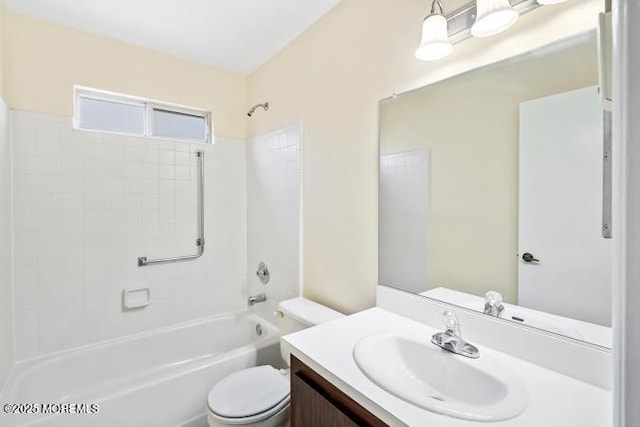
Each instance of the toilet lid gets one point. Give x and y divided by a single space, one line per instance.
248 392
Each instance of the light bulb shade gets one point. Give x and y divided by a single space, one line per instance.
435 42
493 17
545 2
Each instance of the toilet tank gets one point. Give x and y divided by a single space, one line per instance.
300 313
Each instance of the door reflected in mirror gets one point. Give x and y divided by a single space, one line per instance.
493 181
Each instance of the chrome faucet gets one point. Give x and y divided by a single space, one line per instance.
451 339
254 299
493 304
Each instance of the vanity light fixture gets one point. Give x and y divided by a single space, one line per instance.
481 18
493 17
435 43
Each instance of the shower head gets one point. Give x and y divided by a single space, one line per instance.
264 106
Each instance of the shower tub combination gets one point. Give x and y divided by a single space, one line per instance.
158 378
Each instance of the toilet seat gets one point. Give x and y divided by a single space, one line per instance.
272 413
249 396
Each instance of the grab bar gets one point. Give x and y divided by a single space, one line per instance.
607 181
144 261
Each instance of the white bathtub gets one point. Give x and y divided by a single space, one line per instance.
159 378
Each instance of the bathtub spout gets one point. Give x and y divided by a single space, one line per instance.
255 299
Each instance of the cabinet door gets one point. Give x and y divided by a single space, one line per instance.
312 409
315 402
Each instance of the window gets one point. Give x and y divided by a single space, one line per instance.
110 115
109 112
177 124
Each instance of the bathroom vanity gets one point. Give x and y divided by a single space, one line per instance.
330 386
317 402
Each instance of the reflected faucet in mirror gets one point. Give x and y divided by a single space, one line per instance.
493 304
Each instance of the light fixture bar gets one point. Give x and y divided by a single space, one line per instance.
461 20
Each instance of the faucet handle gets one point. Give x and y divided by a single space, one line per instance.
451 323
451 340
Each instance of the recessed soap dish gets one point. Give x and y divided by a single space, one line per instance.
133 299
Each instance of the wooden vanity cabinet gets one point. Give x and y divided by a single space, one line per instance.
315 402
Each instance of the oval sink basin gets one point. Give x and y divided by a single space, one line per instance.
434 379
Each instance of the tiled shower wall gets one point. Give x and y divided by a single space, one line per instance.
273 185
87 204
6 322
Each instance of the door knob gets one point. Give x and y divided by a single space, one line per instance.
527 257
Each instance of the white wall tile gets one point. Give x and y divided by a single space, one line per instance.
27 129
88 204
273 215
27 327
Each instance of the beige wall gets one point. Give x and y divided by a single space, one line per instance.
3 42
470 124
44 61
331 79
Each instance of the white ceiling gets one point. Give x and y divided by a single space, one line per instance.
236 35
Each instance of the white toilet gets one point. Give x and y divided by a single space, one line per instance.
259 396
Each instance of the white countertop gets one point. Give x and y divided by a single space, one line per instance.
555 400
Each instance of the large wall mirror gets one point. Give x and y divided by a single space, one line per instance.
492 192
